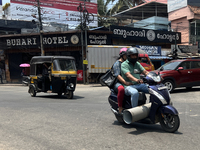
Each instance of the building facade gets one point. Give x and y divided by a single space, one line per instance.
185 18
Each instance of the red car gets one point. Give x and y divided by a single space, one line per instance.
180 73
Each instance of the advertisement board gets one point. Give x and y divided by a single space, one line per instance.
151 50
176 4
59 11
99 39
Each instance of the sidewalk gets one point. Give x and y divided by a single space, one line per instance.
78 84
11 84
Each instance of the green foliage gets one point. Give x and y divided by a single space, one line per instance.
120 5
105 15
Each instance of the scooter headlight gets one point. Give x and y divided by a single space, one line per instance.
161 98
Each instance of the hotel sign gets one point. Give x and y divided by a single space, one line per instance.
48 41
138 34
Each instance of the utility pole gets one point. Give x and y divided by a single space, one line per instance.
41 29
80 9
85 36
84 18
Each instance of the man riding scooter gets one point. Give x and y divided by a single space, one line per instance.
128 69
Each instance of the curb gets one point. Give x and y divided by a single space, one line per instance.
19 84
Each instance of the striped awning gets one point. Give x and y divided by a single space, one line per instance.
160 57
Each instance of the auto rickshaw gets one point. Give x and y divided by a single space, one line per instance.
53 74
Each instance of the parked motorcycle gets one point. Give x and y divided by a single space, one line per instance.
159 108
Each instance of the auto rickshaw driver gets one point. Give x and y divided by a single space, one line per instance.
45 77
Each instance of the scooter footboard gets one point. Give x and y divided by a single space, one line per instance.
168 109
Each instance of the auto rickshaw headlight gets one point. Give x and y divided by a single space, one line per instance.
71 85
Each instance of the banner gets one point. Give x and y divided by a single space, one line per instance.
59 11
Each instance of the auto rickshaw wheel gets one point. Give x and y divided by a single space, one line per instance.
32 92
70 94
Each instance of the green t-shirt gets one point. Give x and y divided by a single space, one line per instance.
129 67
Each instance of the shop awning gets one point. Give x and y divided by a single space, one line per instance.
160 57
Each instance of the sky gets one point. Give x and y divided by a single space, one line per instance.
5 1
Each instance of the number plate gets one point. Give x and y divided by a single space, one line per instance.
63 78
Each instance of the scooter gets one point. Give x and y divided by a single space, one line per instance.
159 108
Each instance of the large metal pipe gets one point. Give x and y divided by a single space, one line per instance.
136 113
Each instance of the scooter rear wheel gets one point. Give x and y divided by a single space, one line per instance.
169 122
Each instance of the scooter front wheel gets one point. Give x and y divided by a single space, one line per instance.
119 118
169 122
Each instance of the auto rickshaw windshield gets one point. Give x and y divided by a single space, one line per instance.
64 65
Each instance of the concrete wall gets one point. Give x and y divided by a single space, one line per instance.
180 22
184 12
182 25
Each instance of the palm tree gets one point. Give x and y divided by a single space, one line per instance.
104 19
120 5
105 14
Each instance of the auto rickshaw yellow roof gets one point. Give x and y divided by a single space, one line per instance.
47 59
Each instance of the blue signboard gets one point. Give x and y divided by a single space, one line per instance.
151 50
0 2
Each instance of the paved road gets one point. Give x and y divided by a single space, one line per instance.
47 122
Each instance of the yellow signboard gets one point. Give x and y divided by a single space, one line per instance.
85 62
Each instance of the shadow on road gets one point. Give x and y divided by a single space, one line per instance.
184 90
59 97
141 128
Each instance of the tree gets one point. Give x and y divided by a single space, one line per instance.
120 5
104 18
105 14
